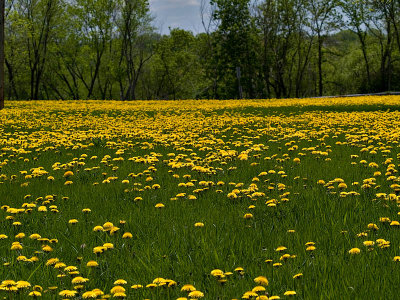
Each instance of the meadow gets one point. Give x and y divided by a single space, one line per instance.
240 199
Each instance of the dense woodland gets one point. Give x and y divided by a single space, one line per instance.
109 49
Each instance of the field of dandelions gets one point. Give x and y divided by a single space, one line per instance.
249 199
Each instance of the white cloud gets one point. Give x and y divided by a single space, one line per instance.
177 13
172 3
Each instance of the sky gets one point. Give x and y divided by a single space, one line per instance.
184 14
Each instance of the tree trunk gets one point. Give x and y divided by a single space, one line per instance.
13 88
320 83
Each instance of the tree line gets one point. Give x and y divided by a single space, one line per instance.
109 49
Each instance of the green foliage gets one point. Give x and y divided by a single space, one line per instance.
176 66
86 49
234 47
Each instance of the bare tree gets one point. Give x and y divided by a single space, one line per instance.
357 18
209 25
323 19
40 18
136 49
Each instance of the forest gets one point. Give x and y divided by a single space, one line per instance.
110 49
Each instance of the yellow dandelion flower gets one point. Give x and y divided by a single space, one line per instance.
354 251
127 235
79 280
120 282
117 289
92 264
290 293
68 293
261 280
188 288
137 286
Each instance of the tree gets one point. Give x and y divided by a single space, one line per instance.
136 44
323 19
357 19
176 66
234 47
381 28
2 9
37 20
286 46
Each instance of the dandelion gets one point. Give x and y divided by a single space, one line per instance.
188 288
16 246
196 294
98 228
35 236
280 249
127 235
89 294
20 235
137 286
372 226
290 293
52 261
108 246
23 284
368 243
261 280
258 289
117 289
310 248
99 249
354 251
297 276
248 216
47 248
119 295
68 293
217 273
79 280
92 264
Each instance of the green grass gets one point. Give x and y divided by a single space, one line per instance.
165 242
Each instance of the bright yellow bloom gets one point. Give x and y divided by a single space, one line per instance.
261 280
68 174
354 251
92 264
188 288
196 294
289 293
68 293
127 235
79 280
